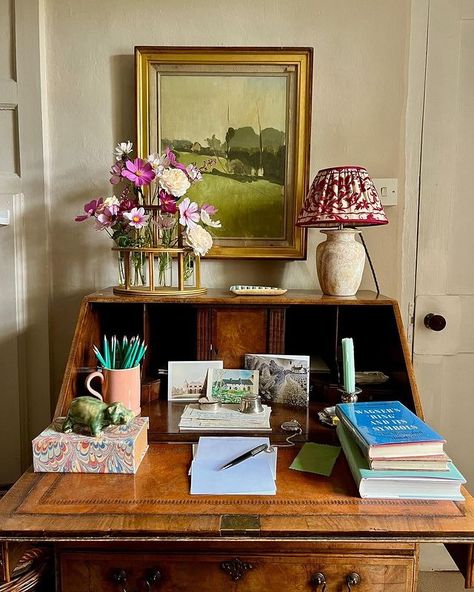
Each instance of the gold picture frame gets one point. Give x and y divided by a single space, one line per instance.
247 113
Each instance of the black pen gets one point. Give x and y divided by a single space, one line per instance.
245 456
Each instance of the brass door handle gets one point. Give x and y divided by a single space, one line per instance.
152 578
316 580
119 577
352 579
236 568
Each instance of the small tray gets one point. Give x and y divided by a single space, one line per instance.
257 290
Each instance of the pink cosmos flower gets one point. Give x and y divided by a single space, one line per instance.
139 172
116 173
211 210
165 221
193 173
90 209
171 156
189 213
127 204
167 203
208 221
105 219
137 217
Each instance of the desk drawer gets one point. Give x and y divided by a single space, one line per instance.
216 572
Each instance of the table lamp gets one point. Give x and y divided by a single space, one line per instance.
339 199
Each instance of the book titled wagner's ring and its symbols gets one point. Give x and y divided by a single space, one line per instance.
388 429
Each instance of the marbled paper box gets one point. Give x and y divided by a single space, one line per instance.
120 449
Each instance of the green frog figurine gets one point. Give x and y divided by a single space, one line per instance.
94 414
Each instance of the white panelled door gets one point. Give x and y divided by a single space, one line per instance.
24 281
10 247
444 359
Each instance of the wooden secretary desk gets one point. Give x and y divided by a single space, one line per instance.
147 533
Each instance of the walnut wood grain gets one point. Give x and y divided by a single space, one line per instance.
83 572
237 331
156 503
276 331
220 296
204 351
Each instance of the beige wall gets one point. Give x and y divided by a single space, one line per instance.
358 117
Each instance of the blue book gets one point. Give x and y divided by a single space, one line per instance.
433 485
388 429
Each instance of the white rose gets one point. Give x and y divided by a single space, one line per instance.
175 181
111 201
199 240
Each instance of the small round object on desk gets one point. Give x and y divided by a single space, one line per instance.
251 404
293 425
206 405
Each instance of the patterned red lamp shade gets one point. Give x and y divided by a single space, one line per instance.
339 199
343 195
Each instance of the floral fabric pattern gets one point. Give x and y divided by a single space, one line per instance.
342 195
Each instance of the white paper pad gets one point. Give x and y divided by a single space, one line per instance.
254 476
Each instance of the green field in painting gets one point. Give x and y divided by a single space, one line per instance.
246 209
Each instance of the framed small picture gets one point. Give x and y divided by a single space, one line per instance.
282 378
229 386
187 380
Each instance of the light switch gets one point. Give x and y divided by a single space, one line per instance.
387 190
4 217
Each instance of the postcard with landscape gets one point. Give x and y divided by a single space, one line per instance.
187 380
282 379
229 386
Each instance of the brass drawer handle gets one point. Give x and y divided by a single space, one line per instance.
352 579
236 568
119 577
152 578
316 580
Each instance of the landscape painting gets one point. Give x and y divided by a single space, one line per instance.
237 125
244 114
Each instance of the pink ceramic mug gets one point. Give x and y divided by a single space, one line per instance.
118 386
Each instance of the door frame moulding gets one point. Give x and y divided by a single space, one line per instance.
417 61
434 556
31 235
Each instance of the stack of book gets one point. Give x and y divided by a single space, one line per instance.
393 454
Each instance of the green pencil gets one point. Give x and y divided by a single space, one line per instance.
106 352
99 356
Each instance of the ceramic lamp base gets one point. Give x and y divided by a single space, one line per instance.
340 262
